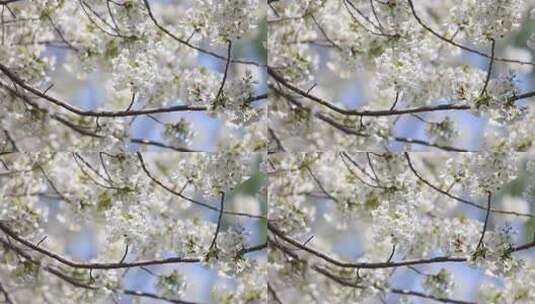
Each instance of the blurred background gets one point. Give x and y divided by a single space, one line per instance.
82 236
211 132
353 92
346 236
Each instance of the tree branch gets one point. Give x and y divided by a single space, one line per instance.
459 199
480 243
7 298
170 190
186 43
391 112
57 257
219 220
76 283
419 20
484 90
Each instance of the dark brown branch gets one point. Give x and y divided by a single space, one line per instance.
11 141
5 2
257 97
132 100
152 296
459 199
124 255
213 245
345 282
521 96
320 185
480 243
370 164
319 115
428 144
364 265
57 257
426 296
351 283
151 142
112 17
278 142
170 190
344 156
225 74
186 43
374 12
489 71
395 101
252 249
79 129
349 4
324 35
76 283
446 107
84 5
361 169
53 186
391 254
7 298
273 294
92 113
523 247
444 259
61 36
426 27
77 157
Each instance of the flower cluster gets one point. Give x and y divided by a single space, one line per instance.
93 215
93 70
354 74
356 226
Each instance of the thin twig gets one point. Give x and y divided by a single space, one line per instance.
441 37
227 65
480 243
459 199
219 220
7 298
484 90
170 190
186 43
